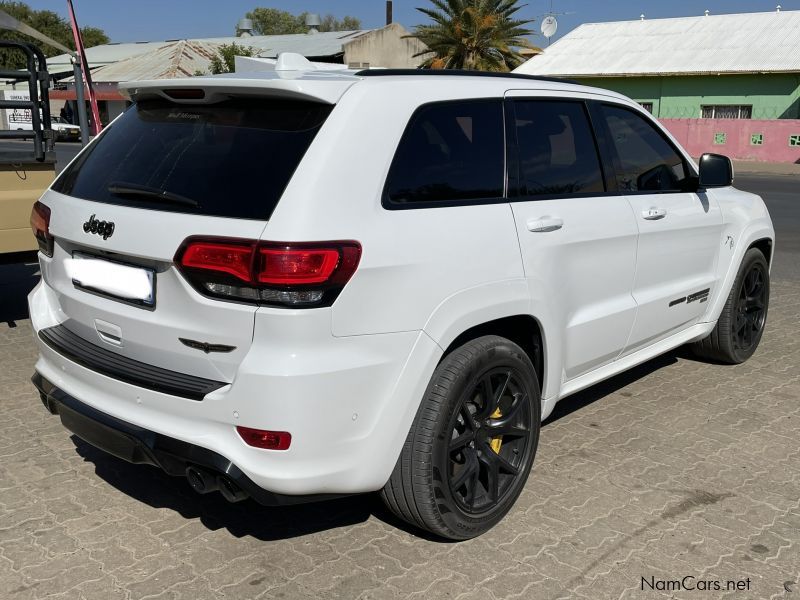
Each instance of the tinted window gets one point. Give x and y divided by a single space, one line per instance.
450 151
645 160
557 153
232 159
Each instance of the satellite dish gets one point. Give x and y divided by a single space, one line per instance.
549 26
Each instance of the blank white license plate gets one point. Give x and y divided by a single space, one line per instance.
128 283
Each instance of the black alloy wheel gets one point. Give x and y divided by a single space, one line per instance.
490 433
751 308
743 318
470 449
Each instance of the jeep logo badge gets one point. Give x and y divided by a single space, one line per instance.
102 228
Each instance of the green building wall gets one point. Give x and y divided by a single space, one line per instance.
773 96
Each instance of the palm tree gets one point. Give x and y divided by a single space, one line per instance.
473 34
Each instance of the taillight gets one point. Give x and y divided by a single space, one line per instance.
269 440
297 275
40 224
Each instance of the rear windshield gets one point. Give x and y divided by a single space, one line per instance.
232 159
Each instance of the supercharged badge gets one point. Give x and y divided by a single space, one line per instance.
101 228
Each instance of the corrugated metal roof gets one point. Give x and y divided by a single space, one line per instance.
328 43
739 43
175 59
104 55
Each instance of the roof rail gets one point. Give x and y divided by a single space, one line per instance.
458 72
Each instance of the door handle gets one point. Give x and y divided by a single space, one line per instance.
654 214
545 224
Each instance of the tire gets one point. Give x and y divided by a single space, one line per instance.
741 323
453 478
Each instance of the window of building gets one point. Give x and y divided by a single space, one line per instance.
557 153
450 151
727 111
648 106
645 161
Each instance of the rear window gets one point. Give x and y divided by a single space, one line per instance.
451 151
232 159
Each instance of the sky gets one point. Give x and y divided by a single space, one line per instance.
139 20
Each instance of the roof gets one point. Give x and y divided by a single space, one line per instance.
737 43
329 43
175 59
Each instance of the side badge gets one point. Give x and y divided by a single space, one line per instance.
206 347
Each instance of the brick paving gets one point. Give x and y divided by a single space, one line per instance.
676 469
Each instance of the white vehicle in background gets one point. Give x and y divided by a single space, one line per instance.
64 131
297 285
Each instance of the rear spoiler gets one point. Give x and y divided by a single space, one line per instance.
326 87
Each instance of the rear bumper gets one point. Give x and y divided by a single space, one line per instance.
348 402
137 445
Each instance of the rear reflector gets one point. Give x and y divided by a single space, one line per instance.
269 440
298 275
40 224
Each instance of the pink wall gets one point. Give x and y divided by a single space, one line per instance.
697 136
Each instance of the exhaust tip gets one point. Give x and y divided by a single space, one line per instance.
230 491
201 481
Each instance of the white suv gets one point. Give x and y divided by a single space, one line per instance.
298 285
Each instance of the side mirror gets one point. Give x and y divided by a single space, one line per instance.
715 171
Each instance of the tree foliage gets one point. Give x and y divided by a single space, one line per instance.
272 21
223 61
48 23
481 35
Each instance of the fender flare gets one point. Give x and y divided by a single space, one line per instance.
755 231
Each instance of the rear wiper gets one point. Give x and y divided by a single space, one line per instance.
121 188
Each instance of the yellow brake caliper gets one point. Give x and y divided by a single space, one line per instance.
496 442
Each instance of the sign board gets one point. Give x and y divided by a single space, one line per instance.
17 118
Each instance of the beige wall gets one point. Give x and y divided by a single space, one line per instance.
385 47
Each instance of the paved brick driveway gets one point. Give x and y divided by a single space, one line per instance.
676 469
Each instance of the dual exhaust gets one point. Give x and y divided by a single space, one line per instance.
205 482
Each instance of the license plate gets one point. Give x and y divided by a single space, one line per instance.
118 281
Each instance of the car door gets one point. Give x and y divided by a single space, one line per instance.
576 234
679 227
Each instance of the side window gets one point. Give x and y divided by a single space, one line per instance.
557 152
645 160
450 151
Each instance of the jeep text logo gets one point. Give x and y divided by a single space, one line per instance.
103 228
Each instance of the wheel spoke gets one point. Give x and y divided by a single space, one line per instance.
492 469
469 468
457 443
498 462
502 390
509 417
488 398
506 429
469 418
472 487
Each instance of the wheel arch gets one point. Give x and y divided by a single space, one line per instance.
523 329
765 245
760 235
